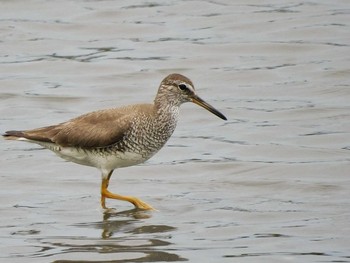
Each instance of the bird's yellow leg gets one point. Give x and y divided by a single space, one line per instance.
107 194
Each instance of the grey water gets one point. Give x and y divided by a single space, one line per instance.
271 184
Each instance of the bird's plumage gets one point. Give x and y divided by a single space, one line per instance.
118 137
96 129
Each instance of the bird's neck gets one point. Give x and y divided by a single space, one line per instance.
167 110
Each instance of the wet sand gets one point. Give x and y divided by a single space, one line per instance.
271 184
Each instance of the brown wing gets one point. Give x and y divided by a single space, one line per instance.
95 129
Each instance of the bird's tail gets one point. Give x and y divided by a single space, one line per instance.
37 135
13 135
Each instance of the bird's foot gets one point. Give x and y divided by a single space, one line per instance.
140 204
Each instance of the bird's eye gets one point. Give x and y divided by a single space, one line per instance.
183 87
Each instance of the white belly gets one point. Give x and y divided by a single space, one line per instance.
99 160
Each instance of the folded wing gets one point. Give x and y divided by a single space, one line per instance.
95 129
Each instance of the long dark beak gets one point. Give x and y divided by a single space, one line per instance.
207 106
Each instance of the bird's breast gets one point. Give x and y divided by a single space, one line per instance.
149 134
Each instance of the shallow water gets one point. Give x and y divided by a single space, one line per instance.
271 184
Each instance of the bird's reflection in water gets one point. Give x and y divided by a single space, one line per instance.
112 220
126 233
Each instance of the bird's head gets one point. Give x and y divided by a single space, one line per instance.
176 89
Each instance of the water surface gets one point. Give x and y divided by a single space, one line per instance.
271 184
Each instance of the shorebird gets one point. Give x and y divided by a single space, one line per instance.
118 137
